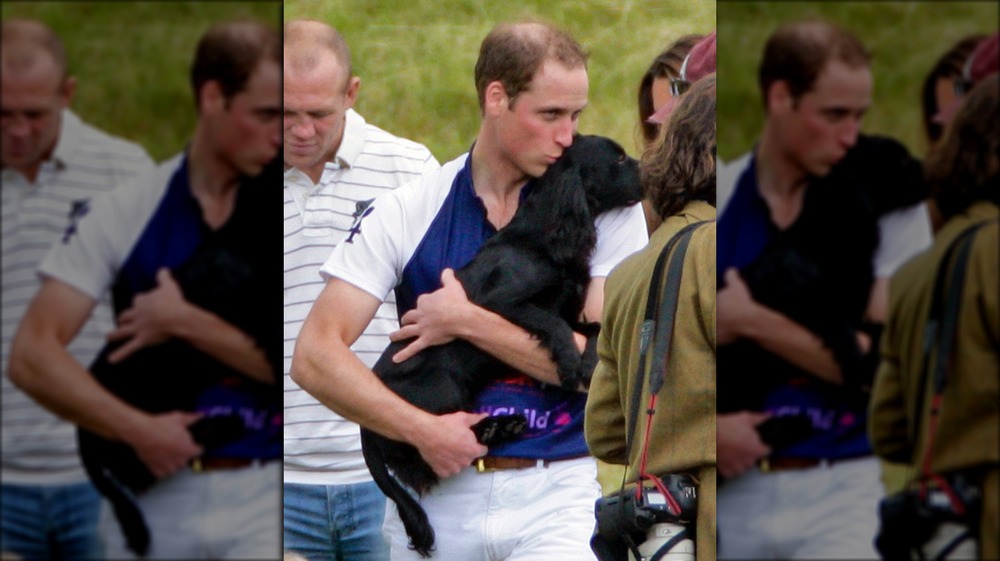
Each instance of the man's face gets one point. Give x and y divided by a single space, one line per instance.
534 132
249 134
316 102
32 103
820 127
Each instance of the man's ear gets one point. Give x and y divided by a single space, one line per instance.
353 85
495 98
211 99
68 91
779 98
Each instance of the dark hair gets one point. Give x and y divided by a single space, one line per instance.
948 66
679 167
23 39
312 36
513 52
229 53
797 52
965 166
666 65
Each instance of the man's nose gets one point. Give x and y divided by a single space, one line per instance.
849 134
17 127
300 128
564 135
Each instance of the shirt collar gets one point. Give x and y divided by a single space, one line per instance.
353 141
70 133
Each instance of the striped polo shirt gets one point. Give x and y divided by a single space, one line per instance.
322 447
38 447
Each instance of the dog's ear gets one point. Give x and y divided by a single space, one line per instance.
572 227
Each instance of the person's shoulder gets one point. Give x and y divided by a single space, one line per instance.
727 175
391 149
97 142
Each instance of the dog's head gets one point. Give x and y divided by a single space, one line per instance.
609 177
592 176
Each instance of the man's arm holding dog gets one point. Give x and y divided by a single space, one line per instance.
43 368
447 314
324 365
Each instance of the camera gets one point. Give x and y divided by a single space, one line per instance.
910 521
626 514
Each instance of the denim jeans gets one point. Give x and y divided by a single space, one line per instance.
51 522
335 522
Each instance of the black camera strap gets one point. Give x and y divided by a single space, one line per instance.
659 327
938 346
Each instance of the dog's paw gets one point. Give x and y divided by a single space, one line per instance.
499 429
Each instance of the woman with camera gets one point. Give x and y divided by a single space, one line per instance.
672 451
933 407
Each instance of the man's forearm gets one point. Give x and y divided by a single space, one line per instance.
794 343
511 344
46 371
221 340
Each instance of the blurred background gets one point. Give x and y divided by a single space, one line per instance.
905 38
416 59
132 61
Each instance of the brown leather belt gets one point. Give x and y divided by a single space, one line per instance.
493 463
771 465
202 465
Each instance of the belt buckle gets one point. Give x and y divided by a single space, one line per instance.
764 465
481 466
196 465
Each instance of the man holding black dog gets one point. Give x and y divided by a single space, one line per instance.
534 496
220 501
807 198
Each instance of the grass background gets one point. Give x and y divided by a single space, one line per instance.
906 39
132 61
416 61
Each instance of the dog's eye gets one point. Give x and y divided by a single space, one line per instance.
622 158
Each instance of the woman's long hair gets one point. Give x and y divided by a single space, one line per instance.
964 167
679 167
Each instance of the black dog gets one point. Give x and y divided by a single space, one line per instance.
534 272
819 272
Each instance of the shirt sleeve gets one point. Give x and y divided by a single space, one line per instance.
370 257
90 253
620 233
902 234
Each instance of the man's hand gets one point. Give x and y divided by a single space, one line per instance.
164 443
452 446
152 319
738 444
735 308
436 318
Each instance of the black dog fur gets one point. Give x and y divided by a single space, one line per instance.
819 271
535 273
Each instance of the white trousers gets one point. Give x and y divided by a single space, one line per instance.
532 514
825 512
222 514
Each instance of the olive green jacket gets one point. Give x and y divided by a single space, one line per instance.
683 433
968 432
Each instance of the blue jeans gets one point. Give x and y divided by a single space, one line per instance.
335 522
51 522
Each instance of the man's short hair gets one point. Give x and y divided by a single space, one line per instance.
797 52
513 52
308 38
230 52
24 39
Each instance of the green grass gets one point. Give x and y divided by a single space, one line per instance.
416 59
132 61
906 38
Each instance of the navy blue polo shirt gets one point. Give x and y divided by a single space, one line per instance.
745 229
